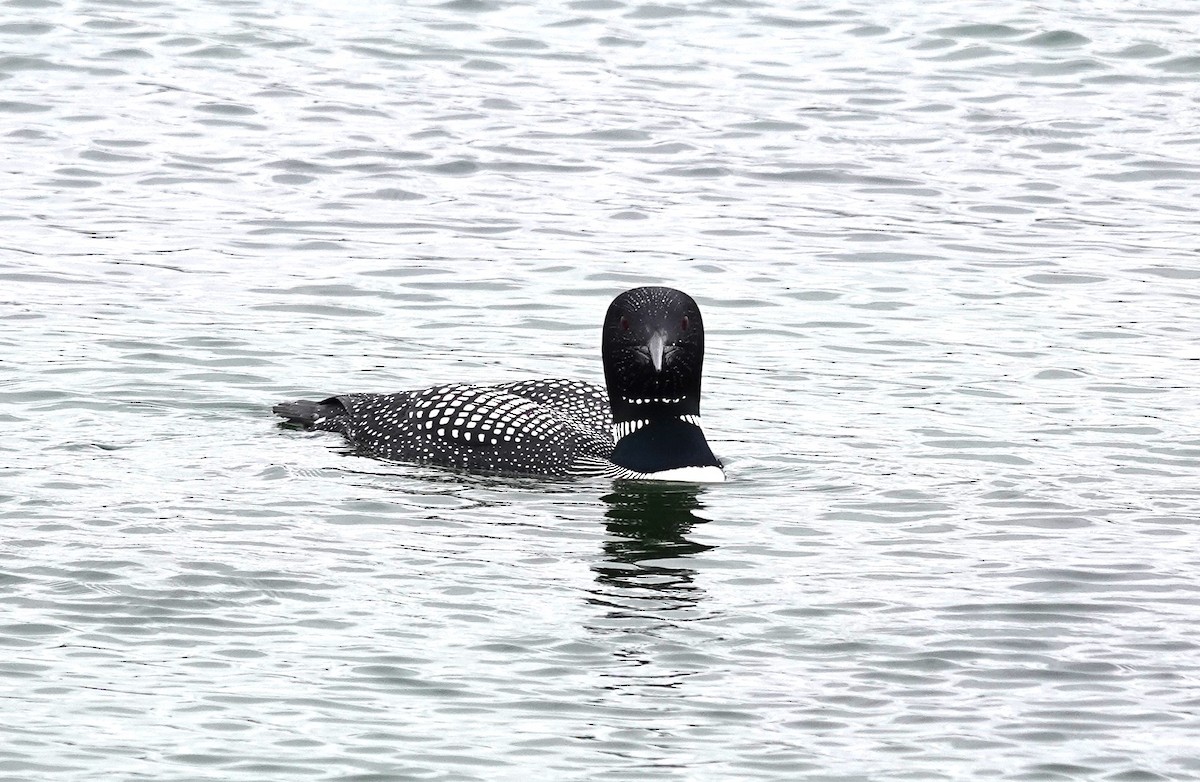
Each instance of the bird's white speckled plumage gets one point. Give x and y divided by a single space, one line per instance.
501 428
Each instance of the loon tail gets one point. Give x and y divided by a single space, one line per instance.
311 415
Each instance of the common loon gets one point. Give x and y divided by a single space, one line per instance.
646 425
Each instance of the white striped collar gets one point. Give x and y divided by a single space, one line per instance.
625 428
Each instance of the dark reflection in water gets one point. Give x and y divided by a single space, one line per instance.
643 568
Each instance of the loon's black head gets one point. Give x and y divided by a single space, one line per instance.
653 350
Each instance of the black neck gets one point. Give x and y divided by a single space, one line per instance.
664 444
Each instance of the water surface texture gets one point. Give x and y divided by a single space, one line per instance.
947 254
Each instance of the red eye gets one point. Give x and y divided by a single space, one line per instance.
683 324
624 323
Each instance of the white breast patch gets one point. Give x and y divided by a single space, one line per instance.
708 474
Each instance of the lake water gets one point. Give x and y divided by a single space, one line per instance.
948 260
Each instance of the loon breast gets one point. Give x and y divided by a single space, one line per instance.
644 424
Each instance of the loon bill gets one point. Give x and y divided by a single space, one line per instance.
645 424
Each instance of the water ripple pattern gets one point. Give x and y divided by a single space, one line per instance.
947 255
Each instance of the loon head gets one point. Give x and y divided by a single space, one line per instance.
653 350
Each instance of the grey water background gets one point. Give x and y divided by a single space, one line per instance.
947 254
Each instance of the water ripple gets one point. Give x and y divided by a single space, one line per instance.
947 263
